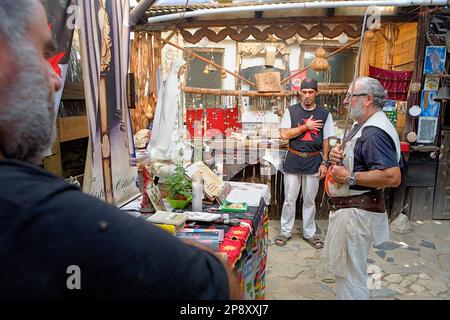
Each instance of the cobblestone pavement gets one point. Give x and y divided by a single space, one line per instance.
415 265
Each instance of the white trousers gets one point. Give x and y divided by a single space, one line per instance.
309 183
363 229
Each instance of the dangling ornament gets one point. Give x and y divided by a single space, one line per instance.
149 115
223 73
320 63
149 112
206 70
415 87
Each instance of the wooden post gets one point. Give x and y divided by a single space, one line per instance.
105 140
53 162
422 28
368 51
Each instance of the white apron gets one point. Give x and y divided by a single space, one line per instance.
378 120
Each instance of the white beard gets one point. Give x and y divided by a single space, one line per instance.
27 116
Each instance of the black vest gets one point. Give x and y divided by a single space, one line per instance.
309 141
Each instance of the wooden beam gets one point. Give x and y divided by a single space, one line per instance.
71 128
73 91
258 15
53 162
170 25
222 92
174 32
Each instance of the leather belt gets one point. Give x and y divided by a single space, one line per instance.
304 154
371 201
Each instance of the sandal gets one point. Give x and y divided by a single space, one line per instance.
316 242
281 240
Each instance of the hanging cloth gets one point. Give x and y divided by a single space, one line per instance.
396 82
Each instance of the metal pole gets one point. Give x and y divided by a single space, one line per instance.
139 10
301 5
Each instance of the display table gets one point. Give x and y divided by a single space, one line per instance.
245 246
250 264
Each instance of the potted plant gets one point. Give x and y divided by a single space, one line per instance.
180 188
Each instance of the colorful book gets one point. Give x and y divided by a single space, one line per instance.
219 233
167 217
172 229
207 237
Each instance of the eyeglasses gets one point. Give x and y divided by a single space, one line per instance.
356 95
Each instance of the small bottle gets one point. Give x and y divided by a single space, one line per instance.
197 192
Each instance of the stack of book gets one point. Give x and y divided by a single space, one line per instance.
208 237
169 221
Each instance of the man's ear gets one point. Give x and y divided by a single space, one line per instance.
369 100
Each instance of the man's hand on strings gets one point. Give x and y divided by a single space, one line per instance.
336 154
339 174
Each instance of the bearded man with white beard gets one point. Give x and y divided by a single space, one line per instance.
55 241
366 163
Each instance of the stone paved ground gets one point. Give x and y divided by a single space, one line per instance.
415 265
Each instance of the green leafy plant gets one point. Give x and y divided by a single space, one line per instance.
179 185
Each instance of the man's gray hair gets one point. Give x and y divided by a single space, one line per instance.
376 89
15 18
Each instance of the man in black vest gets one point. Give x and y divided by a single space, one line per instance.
307 126
55 241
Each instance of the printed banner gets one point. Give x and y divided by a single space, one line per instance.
60 18
105 52
297 80
61 23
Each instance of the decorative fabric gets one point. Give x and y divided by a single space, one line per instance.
193 115
218 120
233 250
395 82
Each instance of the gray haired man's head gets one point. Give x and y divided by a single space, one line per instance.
27 82
375 89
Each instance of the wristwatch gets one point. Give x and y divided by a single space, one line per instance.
325 163
351 179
